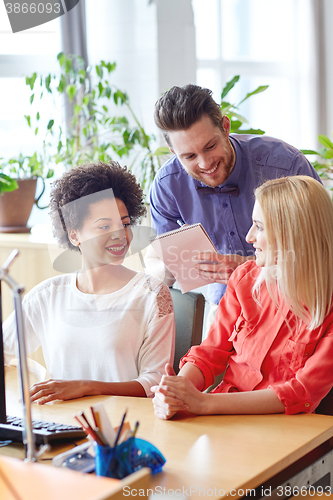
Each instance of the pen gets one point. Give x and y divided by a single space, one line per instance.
96 430
94 416
82 415
136 426
120 427
180 222
89 431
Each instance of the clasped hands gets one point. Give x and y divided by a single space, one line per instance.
176 393
216 267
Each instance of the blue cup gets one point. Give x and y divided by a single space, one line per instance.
127 457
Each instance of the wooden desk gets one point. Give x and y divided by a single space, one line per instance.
223 452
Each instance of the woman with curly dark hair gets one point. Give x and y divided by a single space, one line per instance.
106 329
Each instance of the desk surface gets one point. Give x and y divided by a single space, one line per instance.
223 452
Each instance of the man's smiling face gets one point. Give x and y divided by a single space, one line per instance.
205 151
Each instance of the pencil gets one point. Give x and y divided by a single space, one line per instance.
120 427
136 426
94 416
89 431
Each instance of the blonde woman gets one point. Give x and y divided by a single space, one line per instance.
273 333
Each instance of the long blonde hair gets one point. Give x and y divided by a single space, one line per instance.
298 221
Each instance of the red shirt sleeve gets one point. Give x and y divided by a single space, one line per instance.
211 356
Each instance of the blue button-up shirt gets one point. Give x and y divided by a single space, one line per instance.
225 217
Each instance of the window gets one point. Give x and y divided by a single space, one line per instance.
266 43
20 55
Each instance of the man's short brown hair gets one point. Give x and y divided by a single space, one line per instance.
180 107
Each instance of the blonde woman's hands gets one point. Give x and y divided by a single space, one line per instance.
176 393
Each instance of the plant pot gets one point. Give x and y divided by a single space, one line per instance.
16 206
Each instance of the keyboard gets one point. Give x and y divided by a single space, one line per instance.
45 432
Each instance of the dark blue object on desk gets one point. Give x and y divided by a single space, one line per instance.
127 457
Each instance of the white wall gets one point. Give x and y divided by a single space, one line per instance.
176 44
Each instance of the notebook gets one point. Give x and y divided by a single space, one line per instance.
177 250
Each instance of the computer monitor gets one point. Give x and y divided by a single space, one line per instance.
2 372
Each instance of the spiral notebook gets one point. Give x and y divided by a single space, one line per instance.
178 248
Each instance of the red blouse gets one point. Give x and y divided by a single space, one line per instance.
258 350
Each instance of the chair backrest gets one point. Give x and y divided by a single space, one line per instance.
325 406
189 311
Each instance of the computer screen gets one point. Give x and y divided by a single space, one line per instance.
2 372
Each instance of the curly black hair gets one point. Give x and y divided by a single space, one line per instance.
85 180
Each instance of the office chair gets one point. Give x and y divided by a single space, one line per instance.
325 406
189 311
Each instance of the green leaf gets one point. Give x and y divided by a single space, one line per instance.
107 92
119 96
329 154
324 140
28 118
50 124
68 65
36 130
7 184
62 84
105 109
99 70
61 58
32 98
86 100
235 124
111 67
71 91
48 83
322 151
100 88
77 109
309 152
31 81
37 116
237 116
162 151
225 104
229 86
50 173
254 131
260 89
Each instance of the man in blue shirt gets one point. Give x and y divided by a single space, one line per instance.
212 176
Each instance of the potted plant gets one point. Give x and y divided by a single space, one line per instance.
324 162
231 110
97 129
18 182
103 124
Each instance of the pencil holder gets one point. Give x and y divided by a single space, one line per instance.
127 457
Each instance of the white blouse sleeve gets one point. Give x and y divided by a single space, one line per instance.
158 346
